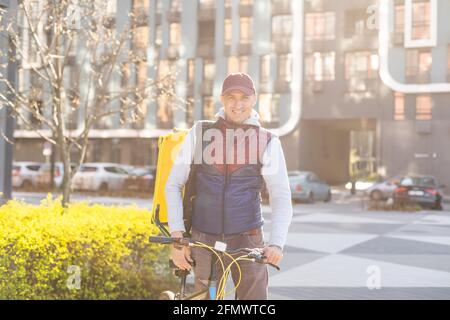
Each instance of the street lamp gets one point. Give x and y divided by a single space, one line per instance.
6 120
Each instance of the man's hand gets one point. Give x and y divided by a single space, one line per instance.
273 254
181 257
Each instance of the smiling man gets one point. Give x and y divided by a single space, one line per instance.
227 202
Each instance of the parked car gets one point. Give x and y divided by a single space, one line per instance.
24 174
423 190
100 176
307 186
140 179
44 174
385 189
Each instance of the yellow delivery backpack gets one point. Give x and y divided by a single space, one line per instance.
168 148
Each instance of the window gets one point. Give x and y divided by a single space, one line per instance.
163 69
175 6
228 32
418 62
208 108
190 70
158 36
265 68
238 64
206 33
285 67
281 26
175 34
399 19
209 70
268 108
243 64
320 66
159 6
245 30
361 64
164 113
399 106
421 20
204 4
423 107
320 26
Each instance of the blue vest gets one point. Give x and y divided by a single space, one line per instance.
228 194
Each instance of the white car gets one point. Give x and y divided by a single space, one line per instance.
44 174
24 174
385 189
100 176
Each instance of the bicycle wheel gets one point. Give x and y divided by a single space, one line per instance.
166 295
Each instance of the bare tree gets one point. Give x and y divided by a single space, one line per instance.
76 54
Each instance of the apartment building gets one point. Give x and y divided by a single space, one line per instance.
350 92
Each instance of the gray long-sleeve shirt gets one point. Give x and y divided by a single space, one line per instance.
273 171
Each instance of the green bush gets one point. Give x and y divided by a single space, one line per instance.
83 252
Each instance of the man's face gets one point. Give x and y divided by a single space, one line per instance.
238 106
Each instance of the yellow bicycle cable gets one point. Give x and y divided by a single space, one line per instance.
204 245
228 270
223 279
225 272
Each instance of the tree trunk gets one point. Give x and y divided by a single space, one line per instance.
67 180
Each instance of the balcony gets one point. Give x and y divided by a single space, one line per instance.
357 84
207 87
314 5
158 18
227 50
281 7
173 52
281 43
205 49
264 87
173 16
206 13
420 78
227 12
244 49
282 86
140 18
245 10
317 86
397 39
190 89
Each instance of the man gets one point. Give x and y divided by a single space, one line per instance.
228 181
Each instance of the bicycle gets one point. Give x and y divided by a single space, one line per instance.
214 290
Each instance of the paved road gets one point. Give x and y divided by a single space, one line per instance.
339 250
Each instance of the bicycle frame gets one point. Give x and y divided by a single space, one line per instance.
210 293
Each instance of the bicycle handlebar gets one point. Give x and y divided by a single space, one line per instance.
254 254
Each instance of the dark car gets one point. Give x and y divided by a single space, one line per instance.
422 190
141 179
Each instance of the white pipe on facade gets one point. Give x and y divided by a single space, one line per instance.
383 51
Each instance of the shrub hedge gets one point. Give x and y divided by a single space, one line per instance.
82 252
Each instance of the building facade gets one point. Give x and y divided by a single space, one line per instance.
352 93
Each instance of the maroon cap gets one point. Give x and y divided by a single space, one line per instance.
238 81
